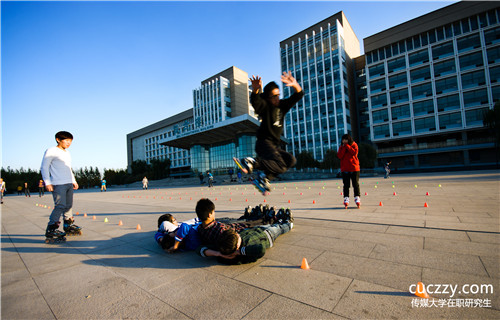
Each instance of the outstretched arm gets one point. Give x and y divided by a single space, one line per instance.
290 81
256 84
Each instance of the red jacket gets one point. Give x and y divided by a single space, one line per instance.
348 155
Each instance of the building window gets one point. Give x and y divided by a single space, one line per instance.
493 55
468 43
400 112
450 121
398 80
444 68
448 103
399 96
492 36
421 91
447 85
425 125
442 50
379 101
376 71
380 116
475 117
495 74
475 98
423 107
401 128
377 86
420 74
396 64
381 131
470 61
473 79
419 57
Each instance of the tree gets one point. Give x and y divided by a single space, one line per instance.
139 167
330 160
160 168
367 154
306 160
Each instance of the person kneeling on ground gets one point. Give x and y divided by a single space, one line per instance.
247 246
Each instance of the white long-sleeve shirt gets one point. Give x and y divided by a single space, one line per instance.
56 167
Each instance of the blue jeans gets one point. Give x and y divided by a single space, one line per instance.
275 230
63 202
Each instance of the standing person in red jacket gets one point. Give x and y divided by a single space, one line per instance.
349 165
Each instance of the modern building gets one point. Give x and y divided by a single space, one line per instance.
321 59
220 126
429 81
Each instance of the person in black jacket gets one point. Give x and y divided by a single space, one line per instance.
271 159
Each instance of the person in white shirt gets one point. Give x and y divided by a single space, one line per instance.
60 180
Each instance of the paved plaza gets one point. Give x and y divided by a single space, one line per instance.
436 228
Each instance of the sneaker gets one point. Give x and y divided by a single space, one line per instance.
288 215
357 199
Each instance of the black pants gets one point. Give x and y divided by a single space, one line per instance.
271 159
347 177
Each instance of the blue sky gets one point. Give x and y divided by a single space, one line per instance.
102 70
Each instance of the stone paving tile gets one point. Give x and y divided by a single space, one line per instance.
364 300
484 237
490 287
371 270
319 289
415 242
234 299
463 247
22 300
432 259
492 266
429 233
288 309
354 247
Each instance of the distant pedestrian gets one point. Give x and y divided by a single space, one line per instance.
2 188
349 165
103 185
230 172
210 179
201 177
26 190
145 183
60 180
19 190
239 177
41 188
387 169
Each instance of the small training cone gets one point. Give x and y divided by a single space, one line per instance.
120 223
304 264
427 194
420 292
106 220
77 213
380 204
314 201
426 205
289 201
93 218
366 193
85 215
395 194
138 227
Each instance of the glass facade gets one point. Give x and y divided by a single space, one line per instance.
447 72
212 102
318 62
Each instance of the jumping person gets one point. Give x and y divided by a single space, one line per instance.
271 159
349 165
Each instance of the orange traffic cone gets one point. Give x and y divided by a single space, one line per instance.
420 292
305 265
426 205
366 193
138 227
395 193
93 218
380 204
314 201
120 223
85 215
427 194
